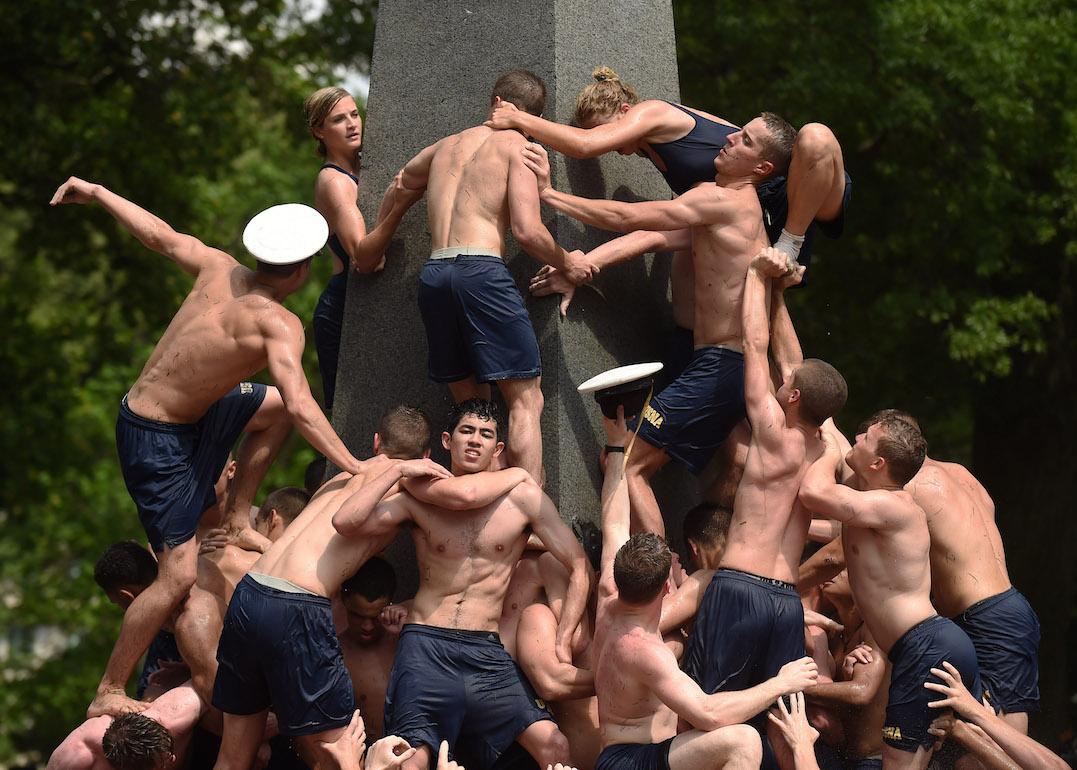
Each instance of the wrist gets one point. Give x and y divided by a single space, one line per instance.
614 448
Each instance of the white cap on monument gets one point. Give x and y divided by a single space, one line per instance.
285 234
625 386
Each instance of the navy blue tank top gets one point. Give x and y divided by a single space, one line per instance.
334 242
690 159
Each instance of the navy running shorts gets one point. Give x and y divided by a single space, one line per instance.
279 650
476 322
692 416
774 200
635 756
458 686
924 647
170 468
1005 631
327 323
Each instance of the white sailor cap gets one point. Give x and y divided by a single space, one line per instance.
285 234
625 386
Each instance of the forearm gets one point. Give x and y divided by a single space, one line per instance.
823 565
784 343
597 212
537 241
356 509
839 694
312 425
367 253
468 492
1024 750
755 323
634 244
823 530
579 588
569 140
152 231
563 681
733 708
990 754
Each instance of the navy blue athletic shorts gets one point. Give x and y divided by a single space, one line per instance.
328 321
279 649
1005 631
163 648
170 468
635 756
458 686
692 416
680 347
746 629
476 322
774 200
924 647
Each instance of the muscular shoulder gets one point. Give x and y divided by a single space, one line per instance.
527 496
331 184
77 751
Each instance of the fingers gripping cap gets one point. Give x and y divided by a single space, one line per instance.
625 386
285 234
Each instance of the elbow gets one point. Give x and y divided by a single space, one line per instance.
549 688
343 527
810 495
527 235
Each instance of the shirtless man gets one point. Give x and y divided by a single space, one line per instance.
887 545
641 691
278 645
688 419
450 662
369 647
477 328
190 404
858 693
751 621
156 738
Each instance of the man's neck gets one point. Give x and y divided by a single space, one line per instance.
645 616
734 182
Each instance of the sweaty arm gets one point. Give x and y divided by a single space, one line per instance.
553 680
625 247
784 343
526 220
185 250
764 412
465 493
820 493
858 691
682 605
562 544
77 751
395 203
698 206
284 348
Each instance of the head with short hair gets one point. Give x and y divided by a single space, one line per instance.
136 742
124 570
364 595
317 108
777 146
314 475
818 388
705 528
403 433
892 446
603 98
471 436
524 89
286 503
480 407
641 568
885 414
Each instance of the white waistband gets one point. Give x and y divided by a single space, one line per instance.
269 581
463 251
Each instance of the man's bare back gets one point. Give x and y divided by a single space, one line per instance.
216 339
968 561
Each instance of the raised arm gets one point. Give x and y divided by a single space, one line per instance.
284 350
528 228
821 493
764 412
616 509
784 343
185 250
637 123
369 253
562 544
465 493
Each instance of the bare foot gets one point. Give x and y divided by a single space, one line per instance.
113 702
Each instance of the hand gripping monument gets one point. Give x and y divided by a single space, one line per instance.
434 64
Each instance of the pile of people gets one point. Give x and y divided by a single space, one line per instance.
274 633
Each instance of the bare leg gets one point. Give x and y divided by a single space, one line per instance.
736 747
896 759
816 179
198 629
644 461
524 400
265 433
143 619
339 749
462 390
545 742
240 741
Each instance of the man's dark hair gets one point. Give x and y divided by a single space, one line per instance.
125 564
374 580
314 476
524 89
136 742
280 271
481 408
707 525
289 502
883 414
778 146
823 390
404 432
903 447
641 567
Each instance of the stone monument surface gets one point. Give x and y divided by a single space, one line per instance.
434 64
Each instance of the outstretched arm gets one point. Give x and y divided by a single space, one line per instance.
369 253
284 350
185 250
616 509
364 512
821 493
764 412
784 343
465 493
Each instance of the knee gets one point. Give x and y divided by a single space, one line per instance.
815 142
555 749
529 400
179 576
745 745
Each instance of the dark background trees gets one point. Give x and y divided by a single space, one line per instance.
951 294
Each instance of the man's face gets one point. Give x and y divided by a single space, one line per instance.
364 618
742 153
838 587
473 444
864 451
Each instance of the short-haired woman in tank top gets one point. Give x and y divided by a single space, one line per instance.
682 144
333 119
